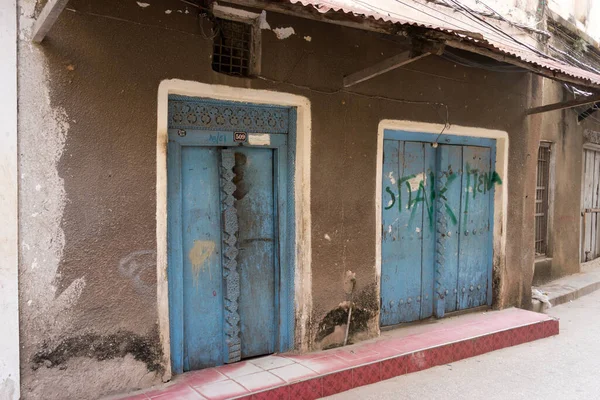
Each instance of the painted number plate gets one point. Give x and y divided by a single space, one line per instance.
240 136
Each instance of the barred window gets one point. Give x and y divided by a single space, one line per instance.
232 47
541 200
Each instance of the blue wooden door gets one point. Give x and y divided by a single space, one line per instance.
408 241
437 210
466 182
230 268
226 229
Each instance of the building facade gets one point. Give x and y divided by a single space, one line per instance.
200 183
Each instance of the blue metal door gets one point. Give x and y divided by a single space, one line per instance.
437 213
228 271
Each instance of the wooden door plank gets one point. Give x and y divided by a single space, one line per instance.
255 204
382 67
391 253
596 204
411 229
474 244
47 18
174 256
202 266
428 228
563 105
588 182
448 202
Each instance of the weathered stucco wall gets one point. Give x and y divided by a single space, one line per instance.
583 14
9 298
561 129
88 165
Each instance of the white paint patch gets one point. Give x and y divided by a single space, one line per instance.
259 139
308 38
198 255
143 5
284 33
29 302
390 203
168 11
38 187
327 237
418 230
135 266
392 179
390 229
262 21
414 182
222 11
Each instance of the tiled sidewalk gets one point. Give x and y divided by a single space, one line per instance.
396 352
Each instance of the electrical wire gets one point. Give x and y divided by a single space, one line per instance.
433 104
474 15
481 22
444 20
455 58
541 32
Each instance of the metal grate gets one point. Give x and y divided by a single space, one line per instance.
232 48
541 200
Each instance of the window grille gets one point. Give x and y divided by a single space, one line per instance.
541 200
232 47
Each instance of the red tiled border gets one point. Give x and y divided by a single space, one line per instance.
354 373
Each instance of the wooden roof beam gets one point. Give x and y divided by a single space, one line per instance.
392 63
47 18
563 105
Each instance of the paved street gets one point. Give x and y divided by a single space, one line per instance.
561 367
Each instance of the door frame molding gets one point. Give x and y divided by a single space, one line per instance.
301 190
424 132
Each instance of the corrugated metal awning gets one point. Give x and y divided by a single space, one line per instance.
462 28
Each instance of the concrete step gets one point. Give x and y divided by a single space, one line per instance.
570 287
395 352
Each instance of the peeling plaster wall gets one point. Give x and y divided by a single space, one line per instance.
521 11
9 299
568 138
584 14
87 139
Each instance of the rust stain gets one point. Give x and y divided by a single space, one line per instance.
198 255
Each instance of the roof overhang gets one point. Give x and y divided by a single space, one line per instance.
478 34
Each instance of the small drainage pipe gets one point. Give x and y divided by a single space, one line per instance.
353 279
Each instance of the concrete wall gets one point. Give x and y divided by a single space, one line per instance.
561 129
9 313
583 14
87 137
